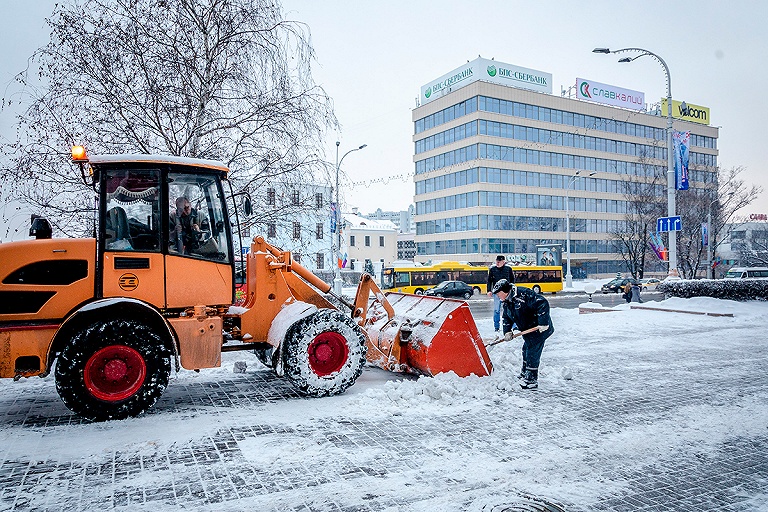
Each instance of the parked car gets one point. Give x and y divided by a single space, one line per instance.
617 285
747 273
649 283
451 289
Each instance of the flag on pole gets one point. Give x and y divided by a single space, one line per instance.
681 142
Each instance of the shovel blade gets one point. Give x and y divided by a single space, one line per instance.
427 336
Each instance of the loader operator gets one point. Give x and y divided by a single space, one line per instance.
527 309
185 229
498 271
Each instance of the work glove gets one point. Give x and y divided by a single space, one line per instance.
543 328
508 336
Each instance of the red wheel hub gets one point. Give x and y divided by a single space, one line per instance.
114 373
327 353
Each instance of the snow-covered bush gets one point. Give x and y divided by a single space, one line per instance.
731 289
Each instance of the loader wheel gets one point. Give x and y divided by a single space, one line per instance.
113 370
324 353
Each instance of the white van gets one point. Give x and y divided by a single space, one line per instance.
747 273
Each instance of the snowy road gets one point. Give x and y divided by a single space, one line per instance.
637 410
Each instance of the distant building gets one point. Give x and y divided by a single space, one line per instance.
402 219
744 244
297 221
368 240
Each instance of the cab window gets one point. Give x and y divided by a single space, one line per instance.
132 215
196 219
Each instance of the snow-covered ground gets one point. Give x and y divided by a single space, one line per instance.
625 398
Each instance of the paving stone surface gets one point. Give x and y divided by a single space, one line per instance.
617 396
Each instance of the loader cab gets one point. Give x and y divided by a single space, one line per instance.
164 237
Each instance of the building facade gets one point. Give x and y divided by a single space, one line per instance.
745 244
494 163
296 218
368 240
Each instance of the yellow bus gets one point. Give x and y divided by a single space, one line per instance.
540 279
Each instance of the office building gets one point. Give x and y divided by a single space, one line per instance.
496 154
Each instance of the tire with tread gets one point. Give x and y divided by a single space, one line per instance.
324 353
112 370
537 288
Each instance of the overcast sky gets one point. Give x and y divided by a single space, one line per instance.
372 58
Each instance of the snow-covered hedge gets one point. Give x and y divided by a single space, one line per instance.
731 289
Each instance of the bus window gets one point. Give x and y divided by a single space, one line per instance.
402 279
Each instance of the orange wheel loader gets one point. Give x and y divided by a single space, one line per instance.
155 288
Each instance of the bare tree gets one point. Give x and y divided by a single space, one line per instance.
221 79
720 203
644 203
754 253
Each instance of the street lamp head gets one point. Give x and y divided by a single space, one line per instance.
338 143
601 50
625 59
363 146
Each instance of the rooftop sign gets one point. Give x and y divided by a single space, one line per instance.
486 70
609 94
686 111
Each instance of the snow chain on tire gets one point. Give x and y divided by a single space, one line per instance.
340 344
113 370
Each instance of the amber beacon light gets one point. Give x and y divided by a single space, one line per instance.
78 154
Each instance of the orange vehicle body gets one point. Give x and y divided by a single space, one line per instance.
118 309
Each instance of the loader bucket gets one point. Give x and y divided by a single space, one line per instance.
427 336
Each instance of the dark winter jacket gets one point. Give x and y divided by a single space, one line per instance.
525 310
495 273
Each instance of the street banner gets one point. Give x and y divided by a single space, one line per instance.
704 234
658 246
334 217
681 141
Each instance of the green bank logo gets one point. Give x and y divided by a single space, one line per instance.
428 92
491 70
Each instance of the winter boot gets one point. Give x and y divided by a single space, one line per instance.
521 375
531 379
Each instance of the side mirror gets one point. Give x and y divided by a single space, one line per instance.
40 228
247 208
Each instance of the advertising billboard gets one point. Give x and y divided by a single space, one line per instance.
609 94
686 111
549 255
487 71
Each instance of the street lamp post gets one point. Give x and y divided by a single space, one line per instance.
670 161
337 238
568 276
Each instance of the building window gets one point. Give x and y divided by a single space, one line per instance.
297 257
295 198
320 261
297 230
319 230
318 200
271 196
351 240
367 241
271 230
381 241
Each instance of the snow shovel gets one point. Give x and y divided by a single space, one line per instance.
517 334
426 336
